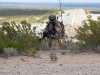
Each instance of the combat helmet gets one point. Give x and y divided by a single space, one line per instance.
52 17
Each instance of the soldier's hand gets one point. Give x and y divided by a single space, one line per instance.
57 29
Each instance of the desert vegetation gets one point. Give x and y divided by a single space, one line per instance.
17 32
24 38
21 37
88 34
30 15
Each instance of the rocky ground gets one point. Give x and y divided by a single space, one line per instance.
68 64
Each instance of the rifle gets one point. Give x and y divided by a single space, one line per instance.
48 34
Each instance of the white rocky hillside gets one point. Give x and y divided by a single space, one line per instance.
78 16
74 19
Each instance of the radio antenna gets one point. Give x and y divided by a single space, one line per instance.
60 11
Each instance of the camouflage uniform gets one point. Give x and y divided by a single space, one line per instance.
53 39
53 44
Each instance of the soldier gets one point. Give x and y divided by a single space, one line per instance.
53 30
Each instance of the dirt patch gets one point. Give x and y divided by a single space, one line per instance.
68 64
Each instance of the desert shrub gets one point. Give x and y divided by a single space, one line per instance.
31 51
20 36
11 43
89 33
66 42
28 42
78 47
3 40
2 46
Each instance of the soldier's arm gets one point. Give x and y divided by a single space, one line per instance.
58 26
46 28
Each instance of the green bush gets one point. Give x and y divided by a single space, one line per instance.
31 51
11 43
20 36
2 46
89 33
3 41
78 47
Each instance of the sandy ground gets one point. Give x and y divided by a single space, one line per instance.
68 64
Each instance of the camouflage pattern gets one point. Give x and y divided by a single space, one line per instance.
49 26
53 44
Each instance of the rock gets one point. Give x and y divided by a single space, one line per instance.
10 52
